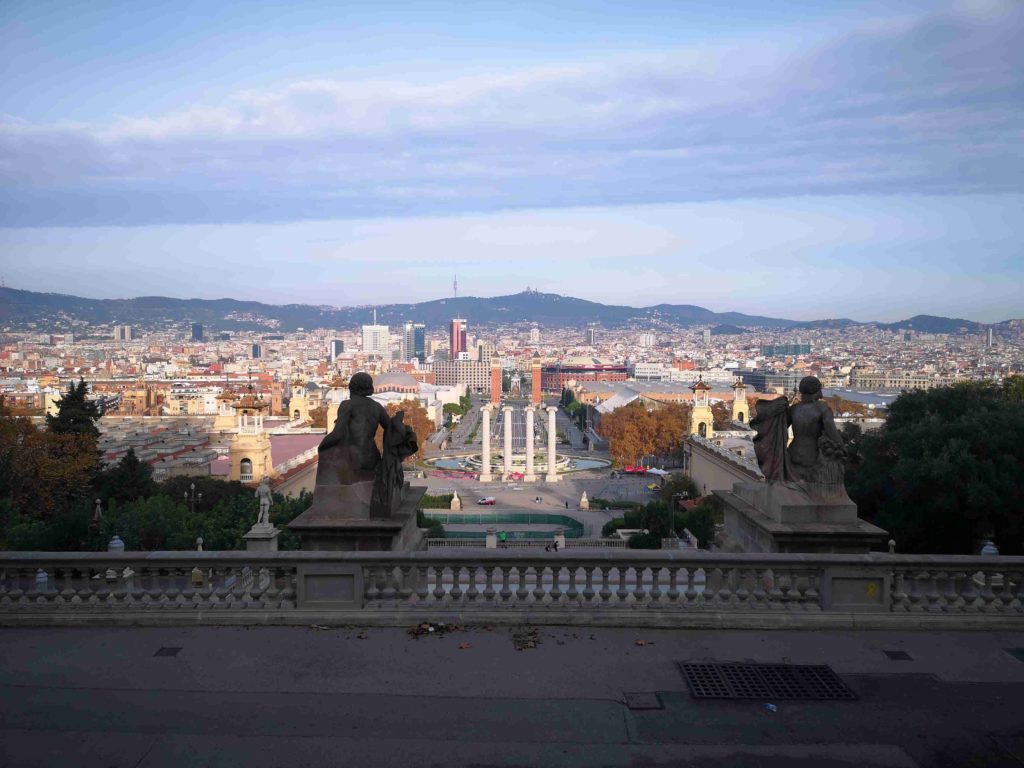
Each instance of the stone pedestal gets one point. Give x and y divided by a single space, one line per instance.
775 518
330 526
262 537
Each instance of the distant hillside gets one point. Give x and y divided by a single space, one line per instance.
727 330
25 310
933 324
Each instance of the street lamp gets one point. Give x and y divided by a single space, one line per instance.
191 500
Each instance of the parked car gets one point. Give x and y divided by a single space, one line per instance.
635 470
487 501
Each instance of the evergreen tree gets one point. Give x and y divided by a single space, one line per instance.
76 415
127 480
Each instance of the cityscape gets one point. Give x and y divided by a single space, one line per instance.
538 384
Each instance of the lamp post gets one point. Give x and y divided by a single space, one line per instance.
191 500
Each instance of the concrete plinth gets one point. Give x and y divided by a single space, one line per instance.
262 537
324 527
763 518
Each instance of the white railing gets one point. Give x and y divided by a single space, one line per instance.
296 461
673 588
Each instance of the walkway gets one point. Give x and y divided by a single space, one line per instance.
378 697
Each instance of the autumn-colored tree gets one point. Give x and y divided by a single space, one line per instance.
671 426
722 413
416 418
842 406
43 474
318 417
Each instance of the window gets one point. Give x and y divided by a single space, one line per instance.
245 471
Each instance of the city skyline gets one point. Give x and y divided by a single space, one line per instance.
813 161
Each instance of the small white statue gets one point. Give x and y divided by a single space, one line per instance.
584 501
266 499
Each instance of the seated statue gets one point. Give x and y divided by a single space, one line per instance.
813 461
348 456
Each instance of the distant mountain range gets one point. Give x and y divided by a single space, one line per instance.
27 310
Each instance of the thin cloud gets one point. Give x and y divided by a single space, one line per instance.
927 104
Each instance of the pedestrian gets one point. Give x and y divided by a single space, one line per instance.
567 505
503 539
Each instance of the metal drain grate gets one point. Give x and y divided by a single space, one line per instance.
764 681
167 651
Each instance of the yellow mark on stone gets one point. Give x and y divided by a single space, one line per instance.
872 590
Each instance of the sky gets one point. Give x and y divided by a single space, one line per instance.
804 159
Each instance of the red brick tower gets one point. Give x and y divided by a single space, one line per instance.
535 398
495 380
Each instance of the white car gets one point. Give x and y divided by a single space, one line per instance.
487 501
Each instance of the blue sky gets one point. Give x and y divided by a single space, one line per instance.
800 159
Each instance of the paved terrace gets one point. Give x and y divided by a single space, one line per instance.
373 696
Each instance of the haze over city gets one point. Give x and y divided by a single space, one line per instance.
813 160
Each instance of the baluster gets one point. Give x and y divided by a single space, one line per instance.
370 591
931 594
390 588
796 589
572 593
639 590
521 592
538 585
916 591
606 592
588 587
712 579
489 584
741 595
438 584
422 584
289 587
773 594
472 592
456 591
673 584
655 592
556 583
272 594
1016 590
183 595
405 577
506 590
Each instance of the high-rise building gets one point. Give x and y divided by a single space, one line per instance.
535 335
123 333
591 337
414 342
784 350
376 339
991 340
197 331
457 338
707 335
257 351
335 349
647 339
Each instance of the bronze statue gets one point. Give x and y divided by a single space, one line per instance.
813 461
348 456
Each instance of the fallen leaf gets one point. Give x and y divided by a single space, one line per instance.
464 646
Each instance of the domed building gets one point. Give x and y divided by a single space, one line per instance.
396 381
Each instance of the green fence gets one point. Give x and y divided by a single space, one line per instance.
573 527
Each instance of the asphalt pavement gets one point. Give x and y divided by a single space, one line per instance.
483 696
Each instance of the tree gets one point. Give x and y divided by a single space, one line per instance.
44 475
318 417
76 414
416 418
127 480
678 484
633 431
721 411
944 471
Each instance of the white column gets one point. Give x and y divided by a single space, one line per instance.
551 476
485 456
529 476
508 440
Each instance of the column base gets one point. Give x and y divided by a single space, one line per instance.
550 478
486 477
529 477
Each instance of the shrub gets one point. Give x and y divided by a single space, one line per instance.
645 541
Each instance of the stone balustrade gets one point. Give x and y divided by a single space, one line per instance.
575 586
